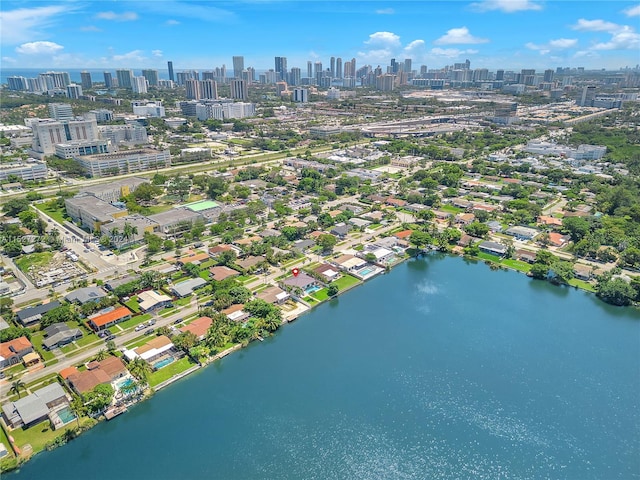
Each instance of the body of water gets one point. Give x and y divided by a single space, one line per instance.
437 370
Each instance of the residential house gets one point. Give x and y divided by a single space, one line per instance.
383 255
359 222
152 351
403 235
245 242
198 327
557 239
193 258
302 281
105 320
349 263
583 272
395 202
85 295
494 226
250 261
60 334
551 221
187 287
111 285
34 408
525 255
494 248
465 218
235 313
150 300
97 373
522 233
13 351
303 245
328 272
218 249
340 230
32 315
222 272
273 295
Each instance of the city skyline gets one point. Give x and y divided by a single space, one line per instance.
491 33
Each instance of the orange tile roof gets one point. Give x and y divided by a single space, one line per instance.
109 317
556 238
233 308
112 366
67 372
403 234
10 348
198 327
198 257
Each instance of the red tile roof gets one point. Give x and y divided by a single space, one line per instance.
17 345
198 327
403 234
114 315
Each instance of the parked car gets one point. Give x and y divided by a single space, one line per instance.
151 322
102 334
150 331
141 327
110 337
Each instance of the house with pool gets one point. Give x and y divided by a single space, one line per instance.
105 371
303 281
158 352
50 402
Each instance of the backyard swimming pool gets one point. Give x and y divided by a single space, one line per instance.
66 415
162 363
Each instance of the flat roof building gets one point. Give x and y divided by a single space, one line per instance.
129 161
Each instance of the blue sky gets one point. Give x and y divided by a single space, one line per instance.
205 34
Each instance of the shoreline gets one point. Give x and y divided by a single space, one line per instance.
150 392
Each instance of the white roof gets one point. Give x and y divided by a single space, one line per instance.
150 298
281 295
237 314
382 252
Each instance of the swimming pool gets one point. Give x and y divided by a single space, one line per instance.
123 384
311 290
366 271
162 363
66 415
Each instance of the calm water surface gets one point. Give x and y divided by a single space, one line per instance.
438 370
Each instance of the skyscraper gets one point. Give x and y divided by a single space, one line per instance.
151 76
407 65
60 111
239 90
281 67
309 69
125 78
85 80
338 67
170 67
74 91
548 75
108 80
499 75
294 76
238 67
192 87
332 67
209 89
139 85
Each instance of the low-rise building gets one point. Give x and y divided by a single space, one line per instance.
328 272
153 351
301 281
30 170
235 313
274 295
187 287
31 315
108 319
198 327
522 233
222 272
91 212
175 221
114 190
493 248
35 407
126 161
97 373
13 351
60 334
85 295
151 300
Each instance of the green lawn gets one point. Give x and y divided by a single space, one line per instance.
36 340
321 295
181 302
516 265
13 370
310 300
450 209
138 341
38 259
488 256
208 264
345 282
132 322
582 284
68 348
58 214
87 339
5 441
167 311
133 305
204 274
38 435
159 208
170 370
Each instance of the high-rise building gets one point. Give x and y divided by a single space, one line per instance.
281 67
74 91
588 95
47 133
170 67
151 76
108 80
193 90
332 67
386 82
300 95
209 89
499 75
309 69
548 75
238 66
294 76
239 90
139 85
338 67
56 79
60 111
17 83
317 69
394 66
407 65
85 80
125 78
249 75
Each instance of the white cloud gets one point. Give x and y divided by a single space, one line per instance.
623 37
506 6
118 17
9 60
414 48
90 28
632 11
457 36
383 38
451 52
134 56
172 22
557 44
563 43
26 24
156 53
39 48
385 11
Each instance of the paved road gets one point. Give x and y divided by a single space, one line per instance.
120 341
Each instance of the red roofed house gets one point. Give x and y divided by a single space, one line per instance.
218 249
403 234
11 352
97 373
557 239
109 319
546 220
196 258
395 202
198 327
221 272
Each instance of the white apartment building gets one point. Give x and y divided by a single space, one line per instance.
129 161
30 170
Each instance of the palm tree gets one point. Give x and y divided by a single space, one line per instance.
139 369
102 354
77 408
17 386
